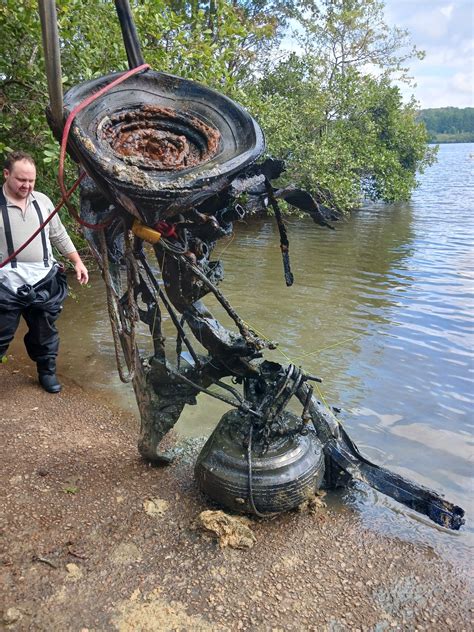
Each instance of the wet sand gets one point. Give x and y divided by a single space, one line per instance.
81 552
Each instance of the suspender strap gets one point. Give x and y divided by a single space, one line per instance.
7 228
43 235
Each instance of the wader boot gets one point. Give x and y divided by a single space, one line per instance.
47 376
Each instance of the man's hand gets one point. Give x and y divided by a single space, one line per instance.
81 271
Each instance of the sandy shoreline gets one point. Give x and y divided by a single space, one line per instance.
80 552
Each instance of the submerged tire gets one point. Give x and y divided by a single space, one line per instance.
285 475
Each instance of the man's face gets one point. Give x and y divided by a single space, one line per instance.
20 179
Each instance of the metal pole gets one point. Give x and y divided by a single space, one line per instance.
52 57
129 34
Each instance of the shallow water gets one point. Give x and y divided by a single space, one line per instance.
381 309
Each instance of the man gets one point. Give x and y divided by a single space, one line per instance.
32 284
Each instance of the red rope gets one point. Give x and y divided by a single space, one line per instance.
46 221
67 129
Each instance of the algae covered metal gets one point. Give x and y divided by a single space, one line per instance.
171 165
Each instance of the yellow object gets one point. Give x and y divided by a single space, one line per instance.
145 232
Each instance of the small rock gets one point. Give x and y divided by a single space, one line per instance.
135 595
11 615
74 572
156 507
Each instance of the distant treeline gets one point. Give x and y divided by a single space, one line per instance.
449 125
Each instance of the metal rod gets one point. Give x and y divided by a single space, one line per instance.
170 310
129 34
52 57
284 243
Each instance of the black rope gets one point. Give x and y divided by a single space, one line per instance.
250 480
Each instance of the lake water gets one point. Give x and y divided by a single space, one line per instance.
381 309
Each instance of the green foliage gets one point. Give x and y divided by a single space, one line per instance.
338 127
449 125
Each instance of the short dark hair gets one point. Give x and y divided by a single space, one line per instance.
16 156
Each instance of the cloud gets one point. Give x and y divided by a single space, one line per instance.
435 92
428 25
462 82
444 31
447 11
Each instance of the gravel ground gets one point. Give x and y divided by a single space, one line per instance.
94 539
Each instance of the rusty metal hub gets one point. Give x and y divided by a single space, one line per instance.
160 138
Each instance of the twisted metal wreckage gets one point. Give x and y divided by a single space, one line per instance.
172 163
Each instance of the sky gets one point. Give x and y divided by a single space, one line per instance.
445 31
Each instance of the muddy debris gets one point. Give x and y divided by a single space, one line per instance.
11 616
152 613
156 507
231 531
315 504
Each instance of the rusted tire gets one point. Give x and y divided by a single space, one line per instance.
203 139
